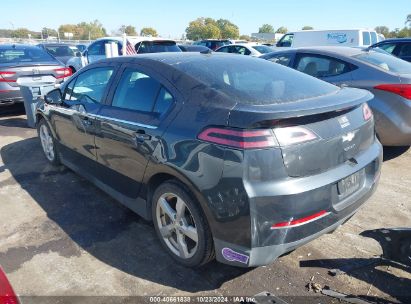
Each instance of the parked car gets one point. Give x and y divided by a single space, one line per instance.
137 45
352 38
213 44
400 48
19 63
193 48
81 47
252 49
7 294
387 77
229 156
61 51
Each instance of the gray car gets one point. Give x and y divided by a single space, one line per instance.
386 76
61 51
26 63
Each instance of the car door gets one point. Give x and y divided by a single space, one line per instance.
96 51
326 68
130 128
73 121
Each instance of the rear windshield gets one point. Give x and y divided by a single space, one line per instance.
158 47
254 81
62 50
19 55
386 62
263 49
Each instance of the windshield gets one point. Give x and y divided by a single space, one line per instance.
386 62
27 55
254 81
263 49
158 47
62 50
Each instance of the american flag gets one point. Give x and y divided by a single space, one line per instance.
130 49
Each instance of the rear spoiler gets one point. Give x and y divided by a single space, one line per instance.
339 100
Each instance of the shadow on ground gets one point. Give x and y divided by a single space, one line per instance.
379 273
15 109
87 218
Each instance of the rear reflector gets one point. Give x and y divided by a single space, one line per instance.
293 135
63 72
302 221
5 76
243 139
7 295
366 111
403 90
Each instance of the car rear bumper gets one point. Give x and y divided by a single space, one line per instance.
297 198
9 96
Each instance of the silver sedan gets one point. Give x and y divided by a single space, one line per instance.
386 76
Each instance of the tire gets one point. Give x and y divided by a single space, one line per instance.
48 143
174 233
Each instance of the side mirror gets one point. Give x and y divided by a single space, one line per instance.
78 54
54 97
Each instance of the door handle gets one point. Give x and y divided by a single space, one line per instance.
87 121
140 136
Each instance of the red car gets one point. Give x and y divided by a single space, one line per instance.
7 295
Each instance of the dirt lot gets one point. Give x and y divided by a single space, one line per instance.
61 236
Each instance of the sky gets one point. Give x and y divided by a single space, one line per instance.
171 17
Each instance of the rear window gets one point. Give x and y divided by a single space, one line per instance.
158 47
19 55
386 62
366 38
263 49
62 50
254 81
374 38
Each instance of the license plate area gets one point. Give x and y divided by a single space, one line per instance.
350 184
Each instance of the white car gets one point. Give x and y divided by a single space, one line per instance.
251 49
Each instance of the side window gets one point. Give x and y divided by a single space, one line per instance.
405 50
163 102
286 41
224 49
91 85
319 66
374 38
96 48
138 91
366 38
283 59
388 47
69 90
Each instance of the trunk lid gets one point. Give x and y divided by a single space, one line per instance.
19 74
337 121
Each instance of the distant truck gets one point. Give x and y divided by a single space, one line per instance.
354 38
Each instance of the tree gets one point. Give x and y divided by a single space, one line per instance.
21 33
46 32
408 20
383 30
245 37
129 30
404 32
203 28
148 31
307 28
228 29
282 30
84 30
266 28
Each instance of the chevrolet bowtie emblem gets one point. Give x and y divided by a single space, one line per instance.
348 137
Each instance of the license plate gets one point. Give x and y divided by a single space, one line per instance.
350 184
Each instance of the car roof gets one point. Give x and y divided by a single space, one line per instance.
339 50
135 39
408 39
58 44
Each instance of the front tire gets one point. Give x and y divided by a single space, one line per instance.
48 143
181 225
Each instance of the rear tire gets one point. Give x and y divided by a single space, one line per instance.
48 143
181 225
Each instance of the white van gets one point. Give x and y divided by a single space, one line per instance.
354 38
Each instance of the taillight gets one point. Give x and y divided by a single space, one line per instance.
243 139
366 111
7 295
293 135
403 90
301 221
63 72
5 76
